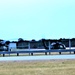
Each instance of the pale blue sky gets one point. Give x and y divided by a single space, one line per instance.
36 19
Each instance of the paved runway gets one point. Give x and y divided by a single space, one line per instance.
31 58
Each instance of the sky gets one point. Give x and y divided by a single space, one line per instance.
37 19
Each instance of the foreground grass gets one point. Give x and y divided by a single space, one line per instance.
54 67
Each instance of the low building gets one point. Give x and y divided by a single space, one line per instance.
12 45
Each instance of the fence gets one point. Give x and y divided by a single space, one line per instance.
31 52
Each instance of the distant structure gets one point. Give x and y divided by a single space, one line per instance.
33 44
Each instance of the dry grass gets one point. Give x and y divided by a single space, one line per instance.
52 67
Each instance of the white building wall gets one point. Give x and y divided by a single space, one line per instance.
12 46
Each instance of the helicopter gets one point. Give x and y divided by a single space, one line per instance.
53 44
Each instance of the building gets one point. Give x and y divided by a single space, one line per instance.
12 45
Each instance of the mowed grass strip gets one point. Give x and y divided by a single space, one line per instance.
52 67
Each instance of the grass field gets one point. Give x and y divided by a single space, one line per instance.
52 67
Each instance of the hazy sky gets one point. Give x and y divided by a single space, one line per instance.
36 19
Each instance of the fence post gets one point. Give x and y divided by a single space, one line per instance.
17 54
49 47
59 52
32 54
9 49
29 46
70 44
45 53
3 55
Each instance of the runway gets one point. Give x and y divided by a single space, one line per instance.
32 58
